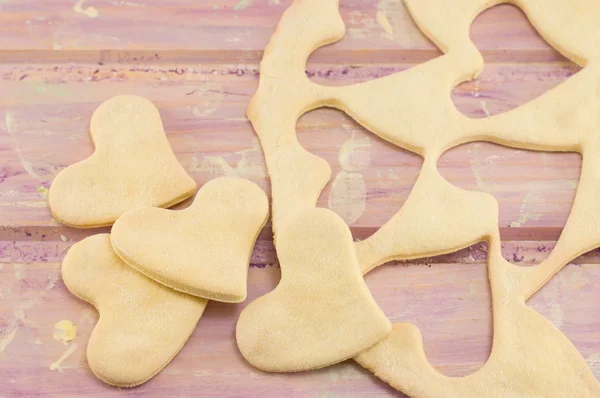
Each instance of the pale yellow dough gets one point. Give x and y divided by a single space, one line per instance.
133 166
413 109
321 312
203 250
142 324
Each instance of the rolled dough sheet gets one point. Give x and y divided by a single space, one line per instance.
530 357
133 166
142 324
203 250
413 109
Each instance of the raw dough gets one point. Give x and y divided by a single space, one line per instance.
142 324
203 250
413 109
321 312
133 166
530 357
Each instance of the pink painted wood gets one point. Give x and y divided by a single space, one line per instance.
198 61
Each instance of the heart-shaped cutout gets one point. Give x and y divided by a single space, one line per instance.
322 312
133 166
142 324
203 250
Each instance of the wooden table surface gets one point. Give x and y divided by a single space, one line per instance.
198 61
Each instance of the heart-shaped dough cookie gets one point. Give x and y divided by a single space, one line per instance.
203 250
322 312
133 166
142 324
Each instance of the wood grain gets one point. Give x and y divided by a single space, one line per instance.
228 26
449 302
203 110
198 61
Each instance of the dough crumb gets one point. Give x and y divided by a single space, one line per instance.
64 331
